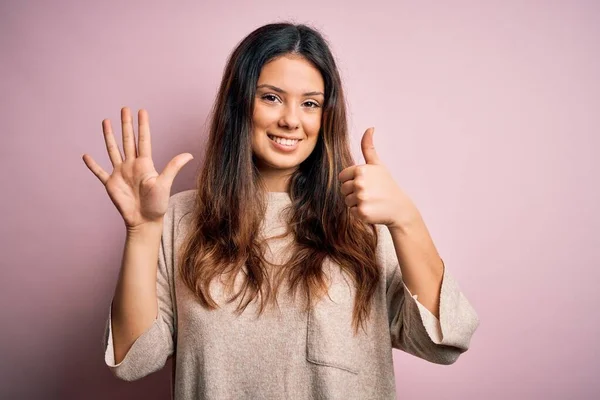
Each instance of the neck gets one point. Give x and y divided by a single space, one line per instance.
277 180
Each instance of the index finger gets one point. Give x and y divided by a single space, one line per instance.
347 174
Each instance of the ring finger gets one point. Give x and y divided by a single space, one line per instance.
111 145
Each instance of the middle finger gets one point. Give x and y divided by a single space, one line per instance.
347 187
128 135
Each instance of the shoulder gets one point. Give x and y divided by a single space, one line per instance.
180 205
183 201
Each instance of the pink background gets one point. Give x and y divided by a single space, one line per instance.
487 113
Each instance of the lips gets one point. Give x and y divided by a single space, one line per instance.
284 145
282 137
284 141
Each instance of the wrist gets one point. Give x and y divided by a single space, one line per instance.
146 228
406 225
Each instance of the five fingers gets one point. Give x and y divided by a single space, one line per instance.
129 145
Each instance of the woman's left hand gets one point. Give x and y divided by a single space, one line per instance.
373 195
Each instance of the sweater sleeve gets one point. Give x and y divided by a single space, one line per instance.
413 328
152 348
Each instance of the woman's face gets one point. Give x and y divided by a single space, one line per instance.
287 117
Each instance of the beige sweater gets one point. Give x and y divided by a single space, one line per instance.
287 354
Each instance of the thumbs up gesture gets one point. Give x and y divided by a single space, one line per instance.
371 192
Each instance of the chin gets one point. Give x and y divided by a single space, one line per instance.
274 163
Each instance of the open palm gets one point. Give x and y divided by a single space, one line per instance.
139 192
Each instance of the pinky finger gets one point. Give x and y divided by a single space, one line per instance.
96 169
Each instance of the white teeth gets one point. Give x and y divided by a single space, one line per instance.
285 142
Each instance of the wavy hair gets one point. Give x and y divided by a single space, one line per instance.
223 239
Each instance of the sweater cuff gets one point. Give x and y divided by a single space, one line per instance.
147 354
430 322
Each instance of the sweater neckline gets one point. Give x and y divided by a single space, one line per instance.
278 197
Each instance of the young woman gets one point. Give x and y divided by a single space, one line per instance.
290 272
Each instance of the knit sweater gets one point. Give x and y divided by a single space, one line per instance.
288 353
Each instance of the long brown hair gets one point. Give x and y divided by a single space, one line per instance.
223 236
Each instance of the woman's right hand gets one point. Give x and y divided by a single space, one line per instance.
140 194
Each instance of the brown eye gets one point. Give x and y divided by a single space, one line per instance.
270 97
312 104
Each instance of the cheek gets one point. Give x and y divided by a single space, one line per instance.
312 125
263 117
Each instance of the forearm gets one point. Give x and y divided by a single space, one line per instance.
420 263
134 306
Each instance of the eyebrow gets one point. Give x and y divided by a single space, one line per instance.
279 90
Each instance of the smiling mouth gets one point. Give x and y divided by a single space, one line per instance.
284 142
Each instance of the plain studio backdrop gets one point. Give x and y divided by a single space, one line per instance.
486 112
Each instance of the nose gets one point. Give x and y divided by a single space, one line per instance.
289 118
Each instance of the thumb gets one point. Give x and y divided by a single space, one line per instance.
174 166
368 148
